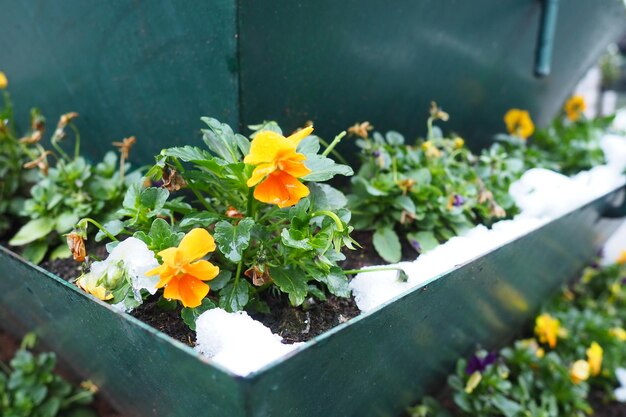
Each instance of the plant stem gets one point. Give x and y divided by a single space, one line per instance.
334 152
99 226
382 268
77 140
195 192
250 203
334 143
77 397
332 215
61 152
429 123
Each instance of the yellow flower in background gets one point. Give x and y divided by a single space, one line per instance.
621 259
618 333
183 270
579 371
4 82
473 382
278 167
519 123
547 329
458 142
430 149
574 107
594 357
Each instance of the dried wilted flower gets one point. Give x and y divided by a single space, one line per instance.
233 213
76 243
33 138
172 180
406 185
89 386
406 217
40 162
125 145
436 113
497 210
484 195
66 118
361 129
259 274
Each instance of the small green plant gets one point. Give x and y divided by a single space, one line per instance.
256 207
68 191
29 387
428 192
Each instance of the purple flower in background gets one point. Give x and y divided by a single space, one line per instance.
376 153
458 200
416 245
623 280
479 364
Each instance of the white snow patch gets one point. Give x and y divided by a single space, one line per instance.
138 260
238 342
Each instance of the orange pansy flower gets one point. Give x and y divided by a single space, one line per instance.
574 107
278 167
183 270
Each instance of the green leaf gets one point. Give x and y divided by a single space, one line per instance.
33 230
335 280
220 139
60 252
508 407
220 280
367 187
190 315
235 296
325 197
187 153
394 138
66 222
202 218
426 240
404 202
114 227
387 244
324 168
309 146
233 240
291 282
295 239
36 251
153 198
162 236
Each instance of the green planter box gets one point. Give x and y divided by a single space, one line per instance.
373 365
151 69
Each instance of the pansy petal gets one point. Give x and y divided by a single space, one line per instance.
202 270
260 172
192 291
196 244
156 271
169 256
266 146
272 190
295 189
172 290
297 137
294 168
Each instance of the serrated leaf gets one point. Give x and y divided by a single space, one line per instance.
325 197
203 219
232 240
190 315
323 169
335 280
290 282
220 280
220 139
387 244
234 297
33 230
309 146
295 239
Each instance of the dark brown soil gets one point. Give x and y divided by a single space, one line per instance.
311 319
602 408
68 269
166 321
8 347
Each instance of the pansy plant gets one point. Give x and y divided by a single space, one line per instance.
241 216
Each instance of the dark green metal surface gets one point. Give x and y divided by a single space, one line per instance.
374 365
144 68
151 69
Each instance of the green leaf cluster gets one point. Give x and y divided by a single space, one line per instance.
29 387
260 247
531 379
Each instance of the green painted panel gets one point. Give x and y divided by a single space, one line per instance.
382 362
142 371
338 62
143 68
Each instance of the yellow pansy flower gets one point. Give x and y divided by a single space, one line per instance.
547 329
278 167
183 270
594 357
430 149
619 333
88 283
519 123
621 259
4 82
579 371
574 107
